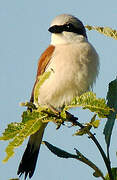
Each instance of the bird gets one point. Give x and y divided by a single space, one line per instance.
74 65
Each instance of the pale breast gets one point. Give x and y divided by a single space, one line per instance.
74 68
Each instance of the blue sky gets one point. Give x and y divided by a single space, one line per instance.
23 37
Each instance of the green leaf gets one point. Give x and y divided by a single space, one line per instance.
114 174
107 31
112 103
57 151
11 131
63 154
87 127
31 123
41 80
89 101
63 114
96 123
29 105
83 130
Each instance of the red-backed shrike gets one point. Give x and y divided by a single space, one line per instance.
75 66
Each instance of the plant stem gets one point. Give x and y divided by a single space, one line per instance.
73 120
83 159
107 162
78 156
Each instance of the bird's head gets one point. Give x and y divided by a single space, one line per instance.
66 28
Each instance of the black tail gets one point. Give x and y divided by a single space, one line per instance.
29 159
28 162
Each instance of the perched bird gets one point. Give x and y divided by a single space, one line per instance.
74 63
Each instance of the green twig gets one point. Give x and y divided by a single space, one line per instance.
63 154
83 159
105 158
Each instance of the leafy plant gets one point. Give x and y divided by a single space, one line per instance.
32 121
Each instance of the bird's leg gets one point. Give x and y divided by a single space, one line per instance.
58 120
54 110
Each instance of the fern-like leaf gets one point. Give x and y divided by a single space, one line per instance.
31 122
89 101
107 31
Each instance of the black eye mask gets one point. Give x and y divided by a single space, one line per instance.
68 28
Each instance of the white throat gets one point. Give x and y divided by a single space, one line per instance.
66 37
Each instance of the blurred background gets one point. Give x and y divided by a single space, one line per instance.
23 37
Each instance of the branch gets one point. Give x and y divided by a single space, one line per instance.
83 159
107 162
105 158
63 154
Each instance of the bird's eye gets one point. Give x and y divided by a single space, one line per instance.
69 26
